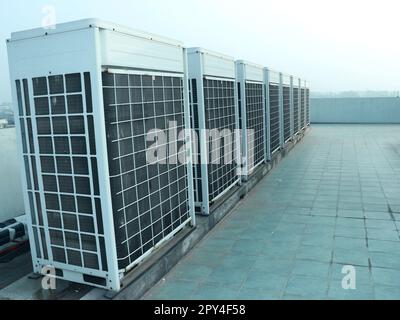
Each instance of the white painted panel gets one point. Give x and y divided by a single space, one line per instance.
286 79
216 66
88 24
296 82
254 73
125 50
274 76
56 54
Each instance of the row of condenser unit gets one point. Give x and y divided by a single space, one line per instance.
125 135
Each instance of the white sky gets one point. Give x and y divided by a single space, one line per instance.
336 45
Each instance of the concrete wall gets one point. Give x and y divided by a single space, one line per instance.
355 110
11 201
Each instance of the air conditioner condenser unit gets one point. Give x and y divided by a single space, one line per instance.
215 119
102 113
251 93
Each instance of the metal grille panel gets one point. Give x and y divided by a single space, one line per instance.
296 110
286 112
274 116
308 105
150 201
255 121
59 152
197 174
303 109
220 114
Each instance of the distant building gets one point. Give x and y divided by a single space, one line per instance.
356 94
7 113
3 123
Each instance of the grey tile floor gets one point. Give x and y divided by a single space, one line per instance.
334 201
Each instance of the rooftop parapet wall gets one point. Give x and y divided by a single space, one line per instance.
355 110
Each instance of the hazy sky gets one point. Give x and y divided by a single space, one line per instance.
336 45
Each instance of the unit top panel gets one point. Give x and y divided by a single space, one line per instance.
213 63
90 23
252 71
286 80
274 76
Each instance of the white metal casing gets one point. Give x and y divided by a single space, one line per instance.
214 64
274 76
90 46
250 71
286 80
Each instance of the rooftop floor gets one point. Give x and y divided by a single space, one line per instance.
334 201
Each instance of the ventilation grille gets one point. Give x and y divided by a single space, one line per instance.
274 117
239 93
255 122
197 176
286 112
220 114
150 201
58 138
308 106
296 110
303 109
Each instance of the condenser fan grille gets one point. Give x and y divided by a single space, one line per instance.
286 112
150 198
274 117
255 122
